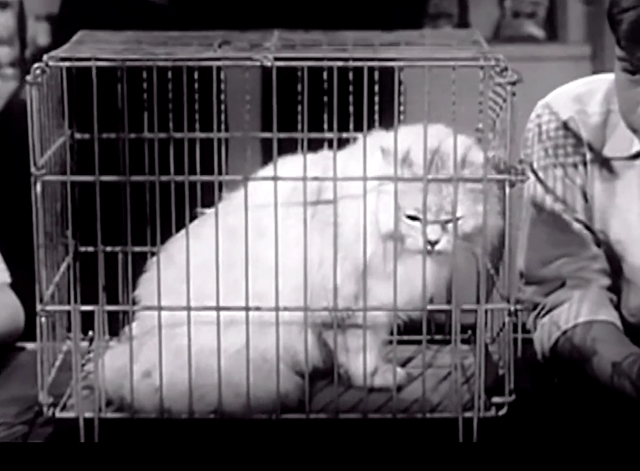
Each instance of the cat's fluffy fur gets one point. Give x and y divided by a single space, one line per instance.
219 347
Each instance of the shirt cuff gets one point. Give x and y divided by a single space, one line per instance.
583 306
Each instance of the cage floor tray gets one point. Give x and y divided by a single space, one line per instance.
431 389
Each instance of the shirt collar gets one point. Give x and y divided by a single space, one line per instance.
620 141
589 106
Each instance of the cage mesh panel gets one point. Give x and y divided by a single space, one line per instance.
142 110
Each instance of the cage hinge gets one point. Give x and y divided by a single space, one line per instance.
506 75
511 78
515 173
38 170
38 71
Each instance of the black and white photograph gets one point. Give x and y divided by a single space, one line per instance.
218 216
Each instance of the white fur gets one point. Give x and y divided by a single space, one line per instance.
222 367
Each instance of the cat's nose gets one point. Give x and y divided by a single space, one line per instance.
432 244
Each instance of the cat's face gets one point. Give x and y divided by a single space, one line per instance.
428 220
430 215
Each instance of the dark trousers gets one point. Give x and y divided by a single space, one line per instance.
567 406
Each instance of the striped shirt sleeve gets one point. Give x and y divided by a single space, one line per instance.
565 275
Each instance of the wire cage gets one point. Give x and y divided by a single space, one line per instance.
132 134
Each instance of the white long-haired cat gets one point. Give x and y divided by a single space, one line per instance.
288 254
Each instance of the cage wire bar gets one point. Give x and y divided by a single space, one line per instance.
119 165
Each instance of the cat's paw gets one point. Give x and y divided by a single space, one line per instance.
388 376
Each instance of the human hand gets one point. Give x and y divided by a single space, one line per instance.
11 315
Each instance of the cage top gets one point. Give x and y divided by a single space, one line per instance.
427 44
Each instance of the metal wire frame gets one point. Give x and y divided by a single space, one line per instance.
452 47
55 140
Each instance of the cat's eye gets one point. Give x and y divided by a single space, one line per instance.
451 220
413 216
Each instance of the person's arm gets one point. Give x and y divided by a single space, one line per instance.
565 274
11 311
